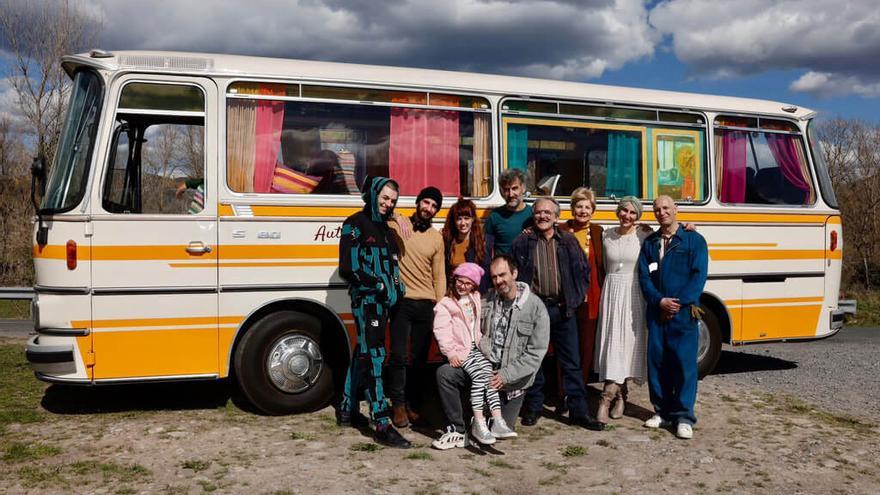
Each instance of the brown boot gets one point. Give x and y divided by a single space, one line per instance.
608 394
412 415
619 402
398 416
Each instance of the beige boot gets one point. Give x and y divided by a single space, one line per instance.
608 394
619 402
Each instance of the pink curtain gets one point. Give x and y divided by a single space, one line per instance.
423 150
733 170
784 151
270 119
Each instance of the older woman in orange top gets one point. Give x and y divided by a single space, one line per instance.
589 236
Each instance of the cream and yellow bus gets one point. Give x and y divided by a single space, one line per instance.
236 276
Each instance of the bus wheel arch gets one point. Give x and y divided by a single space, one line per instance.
290 356
714 330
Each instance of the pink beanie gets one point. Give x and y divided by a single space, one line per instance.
471 271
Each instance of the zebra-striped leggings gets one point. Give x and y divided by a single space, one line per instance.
479 369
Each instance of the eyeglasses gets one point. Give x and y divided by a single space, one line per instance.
463 282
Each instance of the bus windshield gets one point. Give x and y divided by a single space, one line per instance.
67 178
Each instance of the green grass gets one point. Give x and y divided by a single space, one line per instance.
419 455
501 464
868 314
299 435
20 399
196 465
573 451
15 310
19 452
60 477
365 447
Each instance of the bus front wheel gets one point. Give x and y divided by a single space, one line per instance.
280 367
709 350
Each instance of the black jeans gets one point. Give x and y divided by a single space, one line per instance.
412 328
566 347
454 386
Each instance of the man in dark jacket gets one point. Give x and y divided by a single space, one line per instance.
368 262
554 266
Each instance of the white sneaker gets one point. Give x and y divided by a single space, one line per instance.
684 431
655 421
501 430
449 440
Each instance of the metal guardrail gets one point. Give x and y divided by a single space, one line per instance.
848 306
18 293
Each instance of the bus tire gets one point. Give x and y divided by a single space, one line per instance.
709 349
280 366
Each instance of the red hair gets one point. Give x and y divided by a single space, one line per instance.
464 208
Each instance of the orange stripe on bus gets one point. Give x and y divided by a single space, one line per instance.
743 245
157 322
764 255
254 264
278 251
335 212
774 300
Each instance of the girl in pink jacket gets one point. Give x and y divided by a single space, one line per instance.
457 329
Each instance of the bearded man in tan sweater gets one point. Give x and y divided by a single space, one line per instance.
423 272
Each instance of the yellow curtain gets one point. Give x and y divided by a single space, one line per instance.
482 156
719 160
240 143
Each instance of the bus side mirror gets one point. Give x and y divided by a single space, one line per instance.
38 179
38 190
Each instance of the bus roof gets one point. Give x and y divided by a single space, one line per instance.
257 67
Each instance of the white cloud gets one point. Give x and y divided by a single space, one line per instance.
828 84
550 38
838 43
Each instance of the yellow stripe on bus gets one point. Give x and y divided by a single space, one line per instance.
775 254
157 322
254 264
773 300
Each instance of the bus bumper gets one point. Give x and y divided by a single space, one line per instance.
50 359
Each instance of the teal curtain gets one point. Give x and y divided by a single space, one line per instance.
623 165
518 146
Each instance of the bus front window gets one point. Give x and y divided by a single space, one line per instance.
68 175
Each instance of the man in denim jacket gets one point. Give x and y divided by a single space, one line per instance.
516 332
673 266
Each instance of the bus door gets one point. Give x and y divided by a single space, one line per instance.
154 245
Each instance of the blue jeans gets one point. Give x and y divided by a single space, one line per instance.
672 367
566 347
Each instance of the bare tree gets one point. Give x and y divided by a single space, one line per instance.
852 151
37 34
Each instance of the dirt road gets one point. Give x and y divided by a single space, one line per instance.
192 438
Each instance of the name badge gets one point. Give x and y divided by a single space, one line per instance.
652 267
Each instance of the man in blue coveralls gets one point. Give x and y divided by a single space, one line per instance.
672 272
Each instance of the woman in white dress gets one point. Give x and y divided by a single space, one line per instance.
623 333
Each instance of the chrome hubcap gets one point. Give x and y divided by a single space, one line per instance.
294 363
703 349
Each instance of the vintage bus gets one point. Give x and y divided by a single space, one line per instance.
139 279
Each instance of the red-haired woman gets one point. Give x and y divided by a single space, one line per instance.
463 237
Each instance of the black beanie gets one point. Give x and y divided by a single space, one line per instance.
432 193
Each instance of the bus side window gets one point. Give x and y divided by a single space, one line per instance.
155 152
328 148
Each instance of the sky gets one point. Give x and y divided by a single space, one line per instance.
819 54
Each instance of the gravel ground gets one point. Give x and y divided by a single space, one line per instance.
840 374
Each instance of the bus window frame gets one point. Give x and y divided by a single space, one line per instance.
329 199
129 78
800 132
505 114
